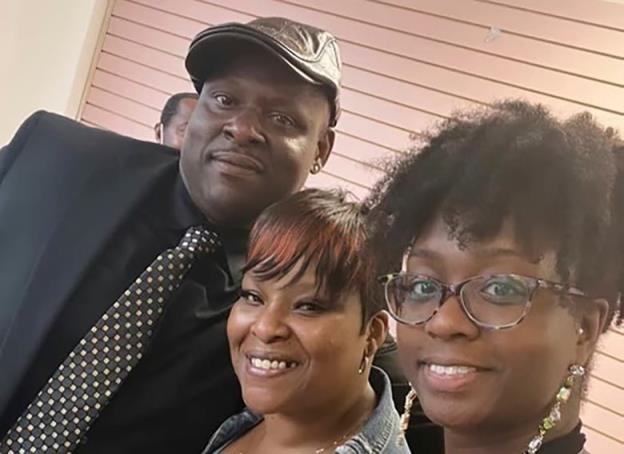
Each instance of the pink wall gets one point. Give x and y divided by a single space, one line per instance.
408 64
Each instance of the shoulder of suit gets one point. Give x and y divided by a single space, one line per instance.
70 134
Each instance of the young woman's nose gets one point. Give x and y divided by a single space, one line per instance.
450 321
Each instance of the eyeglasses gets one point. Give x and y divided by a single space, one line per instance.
498 301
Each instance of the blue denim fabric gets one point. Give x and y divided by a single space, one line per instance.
379 435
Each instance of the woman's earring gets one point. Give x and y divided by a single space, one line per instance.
316 167
363 365
574 372
407 411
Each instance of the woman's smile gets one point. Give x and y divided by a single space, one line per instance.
269 365
449 378
450 373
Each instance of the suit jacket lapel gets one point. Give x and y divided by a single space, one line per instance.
111 192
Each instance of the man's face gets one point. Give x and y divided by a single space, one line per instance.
172 134
174 131
255 133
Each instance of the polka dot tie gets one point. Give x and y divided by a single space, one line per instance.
74 396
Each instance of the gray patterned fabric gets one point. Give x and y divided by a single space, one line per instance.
84 383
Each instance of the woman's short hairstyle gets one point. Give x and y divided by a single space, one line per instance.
560 184
323 230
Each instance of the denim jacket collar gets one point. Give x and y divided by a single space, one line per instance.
379 435
381 432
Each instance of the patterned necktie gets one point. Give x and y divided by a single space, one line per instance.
61 414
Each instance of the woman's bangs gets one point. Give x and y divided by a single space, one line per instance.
278 248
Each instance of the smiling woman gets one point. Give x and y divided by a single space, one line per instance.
303 335
505 231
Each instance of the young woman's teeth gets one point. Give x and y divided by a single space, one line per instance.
267 364
450 370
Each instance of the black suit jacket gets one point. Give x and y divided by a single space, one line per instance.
65 190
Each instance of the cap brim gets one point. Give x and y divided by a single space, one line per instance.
213 49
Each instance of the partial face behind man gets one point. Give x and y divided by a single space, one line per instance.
256 132
172 127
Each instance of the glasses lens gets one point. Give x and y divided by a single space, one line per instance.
412 299
497 300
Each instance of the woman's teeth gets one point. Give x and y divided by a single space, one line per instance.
267 364
450 370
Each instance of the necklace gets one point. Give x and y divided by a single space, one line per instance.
339 440
334 443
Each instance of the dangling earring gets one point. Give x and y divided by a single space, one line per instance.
363 365
407 412
316 167
554 416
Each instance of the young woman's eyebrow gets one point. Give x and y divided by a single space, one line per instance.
487 252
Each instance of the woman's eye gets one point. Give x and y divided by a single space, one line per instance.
250 297
283 120
423 290
503 290
309 307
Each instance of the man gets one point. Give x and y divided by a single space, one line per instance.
174 119
83 212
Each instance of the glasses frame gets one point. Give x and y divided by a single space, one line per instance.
455 290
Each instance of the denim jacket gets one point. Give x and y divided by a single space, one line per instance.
379 435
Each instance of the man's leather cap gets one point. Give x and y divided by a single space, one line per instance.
311 52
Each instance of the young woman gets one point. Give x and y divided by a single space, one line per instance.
505 230
303 335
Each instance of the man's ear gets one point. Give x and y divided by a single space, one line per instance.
158 130
592 322
376 333
325 145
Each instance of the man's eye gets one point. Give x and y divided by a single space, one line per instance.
283 120
250 298
224 100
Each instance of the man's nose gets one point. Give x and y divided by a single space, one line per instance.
244 128
271 325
